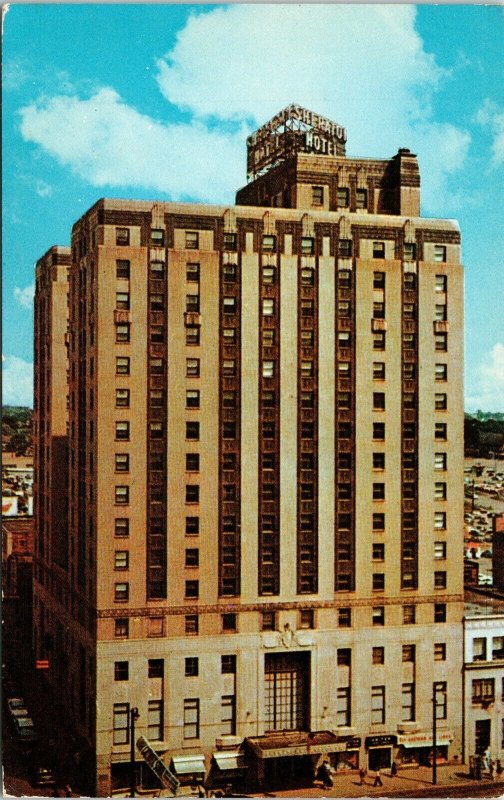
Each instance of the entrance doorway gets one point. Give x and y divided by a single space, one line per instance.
287 691
481 736
379 757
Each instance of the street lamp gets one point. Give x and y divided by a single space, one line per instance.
434 734
134 714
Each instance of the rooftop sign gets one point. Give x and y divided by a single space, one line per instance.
293 130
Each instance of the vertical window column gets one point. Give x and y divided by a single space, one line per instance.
269 423
307 427
409 432
229 422
157 443
344 568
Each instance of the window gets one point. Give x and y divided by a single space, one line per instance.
345 617
121 462
378 491
378 615
408 702
121 670
479 648
379 340
440 491
439 651
378 582
441 372
122 332
192 588
377 705
192 462
440 612
156 430
122 365
342 197
379 310
228 715
155 720
121 559
343 308
441 284
192 526
409 341
409 615
228 665
121 730
268 307
408 652
307 246
307 276
192 271
192 431
378 551
157 304
345 248
121 628
192 367
344 657
307 308
378 522
268 243
229 242
440 520
409 311
440 460
268 337
268 275
379 431
121 527
378 655
440 312
191 667
156 366
122 495
379 461
192 303
192 398
122 300
122 268
379 401
192 333
408 371
229 305
191 624
157 270
439 252
229 273
379 277
121 592
439 549
307 618
317 195
155 668
229 367
378 370
228 623
409 280
441 342
192 240
268 621
440 697
191 718
122 237
229 430
409 251
361 198
192 493
157 333
343 706
497 647
483 690
268 369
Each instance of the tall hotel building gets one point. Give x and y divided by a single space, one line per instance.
265 443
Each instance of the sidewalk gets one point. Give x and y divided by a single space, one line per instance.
410 779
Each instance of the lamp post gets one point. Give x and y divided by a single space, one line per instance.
134 714
434 732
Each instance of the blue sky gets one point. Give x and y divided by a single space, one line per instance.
155 102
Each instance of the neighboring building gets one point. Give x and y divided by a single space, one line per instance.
258 400
498 551
484 683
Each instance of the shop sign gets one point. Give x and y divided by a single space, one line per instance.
425 739
299 750
380 741
354 743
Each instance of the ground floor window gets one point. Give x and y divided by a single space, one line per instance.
482 729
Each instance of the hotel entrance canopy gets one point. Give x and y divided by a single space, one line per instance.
295 743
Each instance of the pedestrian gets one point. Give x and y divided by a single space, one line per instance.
377 780
325 775
362 776
393 769
491 769
499 768
68 790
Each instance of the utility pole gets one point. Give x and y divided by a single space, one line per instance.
434 734
134 714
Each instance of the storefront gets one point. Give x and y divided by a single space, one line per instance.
417 748
288 759
379 751
228 768
347 757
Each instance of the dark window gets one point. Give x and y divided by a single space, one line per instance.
344 657
268 621
378 615
192 303
378 551
229 273
193 271
121 592
409 251
317 195
192 367
121 670
192 335
378 655
191 624
192 462
192 588
192 494
191 718
229 241
378 460
228 665
192 398
307 618
345 617
122 237
122 332
191 667
379 340
228 623
192 431
378 278
122 268
122 365
307 246
122 628
122 398
379 431
440 612
192 240
342 197
155 668
409 615
378 581
192 526
361 198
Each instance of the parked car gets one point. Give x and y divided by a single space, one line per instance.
43 777
15 704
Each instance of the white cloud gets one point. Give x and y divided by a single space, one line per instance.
490 116
25 296
17 379
489 394
43 189
232 68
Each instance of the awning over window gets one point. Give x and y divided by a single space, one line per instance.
189 765
425 739
295 743
229 759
